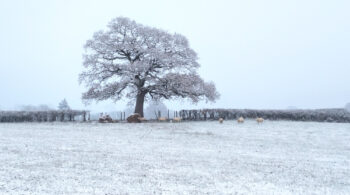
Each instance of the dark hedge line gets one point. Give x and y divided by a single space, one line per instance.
319 115
43 116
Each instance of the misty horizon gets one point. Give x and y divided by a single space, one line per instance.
260 55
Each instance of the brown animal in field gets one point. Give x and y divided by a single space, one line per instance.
259 120
240 120
162 119
134 118
177 119
221 120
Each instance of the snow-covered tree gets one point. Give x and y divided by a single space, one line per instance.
63 105
140 62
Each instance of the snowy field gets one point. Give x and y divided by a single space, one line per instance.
169 158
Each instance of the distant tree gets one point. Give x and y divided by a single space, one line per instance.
347 107
292 108
63 105
41 107
154 107
140 62
28 108
44 107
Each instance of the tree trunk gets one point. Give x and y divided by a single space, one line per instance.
139 103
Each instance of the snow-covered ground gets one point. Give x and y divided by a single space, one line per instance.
175 158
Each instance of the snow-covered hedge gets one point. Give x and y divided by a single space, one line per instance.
320 115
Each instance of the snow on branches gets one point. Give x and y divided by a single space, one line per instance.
132 60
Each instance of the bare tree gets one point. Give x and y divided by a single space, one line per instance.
140 62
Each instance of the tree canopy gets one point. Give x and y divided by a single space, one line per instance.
140 62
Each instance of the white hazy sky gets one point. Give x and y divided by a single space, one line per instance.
260 54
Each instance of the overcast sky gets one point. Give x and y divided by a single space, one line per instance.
260 54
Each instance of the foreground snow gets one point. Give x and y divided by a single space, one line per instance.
169 158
